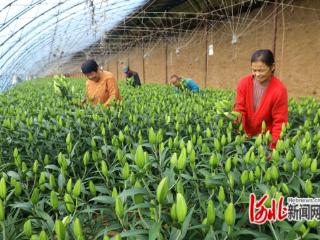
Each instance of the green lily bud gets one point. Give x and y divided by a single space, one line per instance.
295 165
314 166
119 208
77 188
69 185
114 192
173 212
77 229
52 181
274 173
27 228
193 159
211 215
231 180
68 139
221 195
308 187
138 198
228 165
104 168
152 136
117 237
125 171
42 180
230 215
182 160
92 188
54 200
121 137
189 147
285 189
258 172
69 203
173 160
180 188
35 166
216 145
46 159
35 196
43 235
251 176
17 189
2 211
244 177
223 140
86 158
60 230
15 153
263 127
139 157
162 190
181 208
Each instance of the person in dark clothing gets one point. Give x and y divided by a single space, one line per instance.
132 77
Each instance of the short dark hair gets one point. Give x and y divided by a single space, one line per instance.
89 66
263 55
174 76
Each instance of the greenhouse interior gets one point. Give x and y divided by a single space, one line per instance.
159 119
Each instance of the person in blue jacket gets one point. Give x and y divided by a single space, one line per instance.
184 84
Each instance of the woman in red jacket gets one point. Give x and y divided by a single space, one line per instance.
262 97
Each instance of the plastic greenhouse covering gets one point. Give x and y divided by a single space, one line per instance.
34 34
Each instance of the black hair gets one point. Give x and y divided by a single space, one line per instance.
263 55
89 66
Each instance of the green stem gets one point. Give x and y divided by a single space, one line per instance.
75 209
159 215
212 230
142 219
3 230
197 189
84 174
273 231
73 171
146 186
239 196
105 179
122 224
291 178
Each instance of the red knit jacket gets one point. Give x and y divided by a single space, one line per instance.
273 107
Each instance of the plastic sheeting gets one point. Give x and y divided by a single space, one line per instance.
36 33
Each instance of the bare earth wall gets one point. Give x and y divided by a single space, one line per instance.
297 52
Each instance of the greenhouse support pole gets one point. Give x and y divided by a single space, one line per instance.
128 61
143 63
206 47
275 21
206 57
166 61
117 67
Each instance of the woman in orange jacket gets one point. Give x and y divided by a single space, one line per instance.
101 86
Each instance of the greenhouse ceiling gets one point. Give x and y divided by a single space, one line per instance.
40 37
33 33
